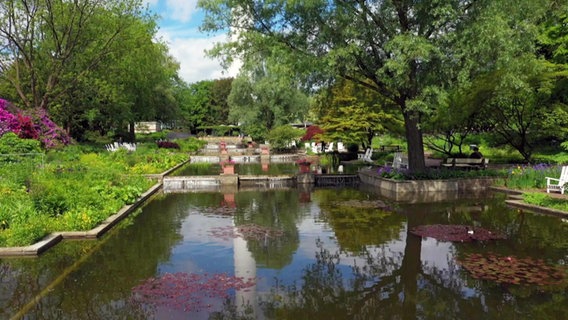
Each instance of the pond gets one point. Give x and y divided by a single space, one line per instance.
292 253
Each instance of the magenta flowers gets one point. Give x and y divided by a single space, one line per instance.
31 124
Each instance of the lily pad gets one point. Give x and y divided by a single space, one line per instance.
185 291
246 231
457 233
362 204
513 270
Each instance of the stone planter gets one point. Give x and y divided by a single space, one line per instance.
304 167
229 169
416 191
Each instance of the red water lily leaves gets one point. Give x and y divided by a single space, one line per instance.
247 231
362 204
512 270
225 209
185 291
455 233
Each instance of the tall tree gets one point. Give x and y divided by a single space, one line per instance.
48 45
261 99
196 104
219 100
94 65
513 88
353 113
397 48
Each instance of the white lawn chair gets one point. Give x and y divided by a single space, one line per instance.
553 184
341 147
315 148
399 161
368 154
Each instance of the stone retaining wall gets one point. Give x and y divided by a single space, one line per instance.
425 190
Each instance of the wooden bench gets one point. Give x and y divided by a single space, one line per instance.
390 148
466 163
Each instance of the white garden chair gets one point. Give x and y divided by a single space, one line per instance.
558 185
400 161
368 155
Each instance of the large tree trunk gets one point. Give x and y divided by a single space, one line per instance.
414 142
131 132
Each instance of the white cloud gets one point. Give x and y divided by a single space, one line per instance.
181 10
189 51
178 28
151 2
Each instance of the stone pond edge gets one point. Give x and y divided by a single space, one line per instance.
51 240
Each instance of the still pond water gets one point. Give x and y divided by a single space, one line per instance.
313 254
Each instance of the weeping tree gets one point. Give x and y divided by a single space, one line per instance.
261 99
403 50
92 64
516 90
410 52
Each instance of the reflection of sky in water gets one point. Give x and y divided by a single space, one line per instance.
201 252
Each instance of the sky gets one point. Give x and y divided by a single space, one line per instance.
179 28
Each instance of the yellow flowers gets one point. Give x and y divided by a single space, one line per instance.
517 171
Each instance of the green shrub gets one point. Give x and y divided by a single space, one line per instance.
191 144
32 230
15 206
281 137
352 148
14 149
530 177
437 174
80 218
75 190
545 200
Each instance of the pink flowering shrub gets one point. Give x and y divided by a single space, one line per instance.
7 119
33 124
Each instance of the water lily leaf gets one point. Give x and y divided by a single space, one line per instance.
513 270
456 233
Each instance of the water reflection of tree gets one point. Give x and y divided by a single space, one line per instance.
275 209
386 286
102 284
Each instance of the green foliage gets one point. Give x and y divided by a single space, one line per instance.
281 136
152 137
438 174
406 53
74 190
545 200
95 67
33 229
261 99
191 144
530 177
11 143
353 113
553 158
